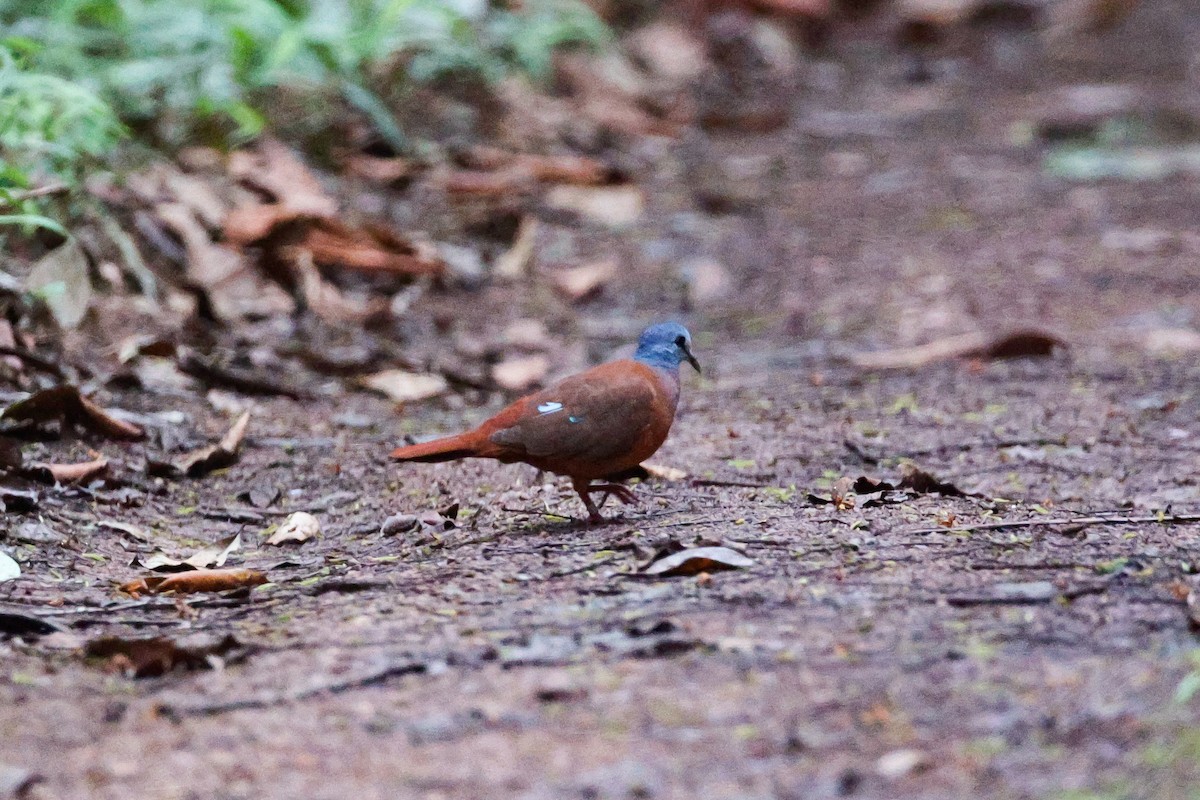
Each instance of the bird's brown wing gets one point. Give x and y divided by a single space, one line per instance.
583 420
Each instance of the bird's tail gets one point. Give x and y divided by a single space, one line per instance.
448 448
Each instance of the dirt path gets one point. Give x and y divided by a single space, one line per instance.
1018 632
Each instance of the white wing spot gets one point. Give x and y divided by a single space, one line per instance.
549 407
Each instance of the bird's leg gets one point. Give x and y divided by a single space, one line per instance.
582 489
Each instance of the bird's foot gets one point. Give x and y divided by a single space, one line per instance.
622 493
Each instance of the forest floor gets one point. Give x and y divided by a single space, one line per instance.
1015 625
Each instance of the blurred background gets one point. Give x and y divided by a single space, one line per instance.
490 195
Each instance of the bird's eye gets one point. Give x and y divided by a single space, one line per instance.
680 341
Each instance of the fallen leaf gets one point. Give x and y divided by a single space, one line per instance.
214 555
919 481
521 373
663 472
9 569
61 279
272 166
899 763
145 346
401 386
572 169
279 232
298 528
155 656
971 345
398 523
617 206
70 473
379 170
217 456
65 403
330 303
514 262
698 559
1193 609
579 283
201 580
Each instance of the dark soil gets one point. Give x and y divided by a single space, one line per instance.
908 646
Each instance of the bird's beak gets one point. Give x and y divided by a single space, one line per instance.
691 359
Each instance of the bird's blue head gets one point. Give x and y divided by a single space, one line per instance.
666 345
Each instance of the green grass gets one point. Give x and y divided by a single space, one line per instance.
178 69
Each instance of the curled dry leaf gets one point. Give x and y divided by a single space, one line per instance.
698 559
401 386
1017 344
9 568
279 232
919 481
514 262
65 403
297 528
580 283
273 167
212 556
69 473
217 456
201 580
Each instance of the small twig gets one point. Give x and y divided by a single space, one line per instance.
12 198
1170 519
389 669
733 484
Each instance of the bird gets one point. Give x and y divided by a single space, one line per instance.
593 425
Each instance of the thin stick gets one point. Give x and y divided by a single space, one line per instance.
1172 519
29 194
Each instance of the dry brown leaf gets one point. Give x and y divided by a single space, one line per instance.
201 580
579 170
330 304
214 555
970 345
514 262
379 170
402 386
580 283
216 456
480 184
280 231
663 472
616 206
72 473
698 559
297 528
521 373
369 248
273 167
65 403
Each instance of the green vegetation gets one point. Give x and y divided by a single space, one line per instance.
178 70
51 131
